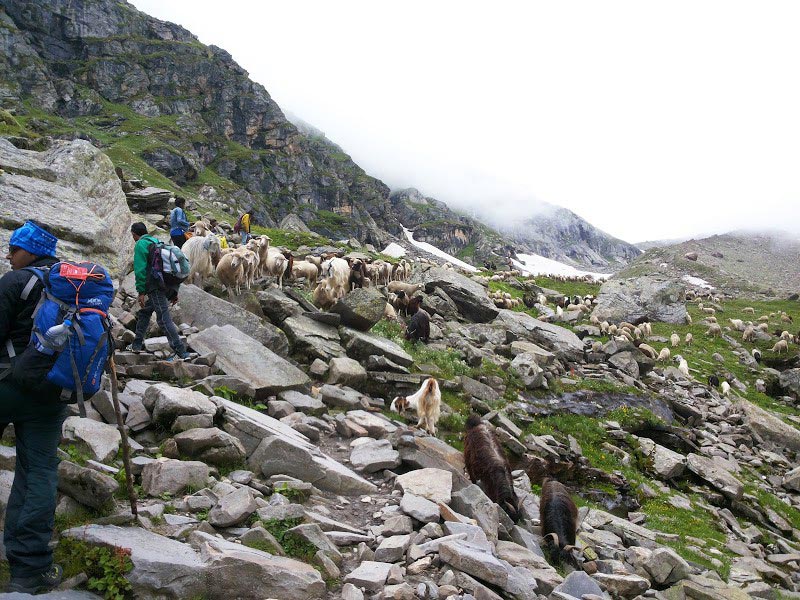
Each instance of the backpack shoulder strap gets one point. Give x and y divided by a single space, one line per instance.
38 274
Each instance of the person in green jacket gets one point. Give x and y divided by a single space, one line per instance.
151 297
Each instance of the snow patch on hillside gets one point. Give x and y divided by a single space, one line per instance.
539 265
431 249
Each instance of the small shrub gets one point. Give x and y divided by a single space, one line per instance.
106 567
292 544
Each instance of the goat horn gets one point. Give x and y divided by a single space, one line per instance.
553 536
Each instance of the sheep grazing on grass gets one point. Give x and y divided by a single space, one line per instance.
714 330
786 318
713 381
688 319
780 347
664 355
749 309
749 334
689 339
231 272
763 319
725 389
559 517
675 339
709 311
203 254
756 354
486 462
710 320
737 324
683 366
785 335
762 327
648 328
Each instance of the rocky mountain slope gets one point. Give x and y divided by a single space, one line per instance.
740 262
185 117
558 233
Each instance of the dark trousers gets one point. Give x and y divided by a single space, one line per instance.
32 504
178 240
157 302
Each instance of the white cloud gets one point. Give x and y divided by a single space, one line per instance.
649 120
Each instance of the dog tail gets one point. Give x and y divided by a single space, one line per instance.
473 421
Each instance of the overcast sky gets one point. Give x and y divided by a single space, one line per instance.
650 120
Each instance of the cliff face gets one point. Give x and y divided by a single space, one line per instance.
562 235
184 115
433 222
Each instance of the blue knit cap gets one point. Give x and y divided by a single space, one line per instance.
34 239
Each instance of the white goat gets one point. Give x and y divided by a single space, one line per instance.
275 265
230 271
203 254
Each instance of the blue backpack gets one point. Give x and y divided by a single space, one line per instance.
70 339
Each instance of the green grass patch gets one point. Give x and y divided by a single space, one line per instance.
106 567
290 239
292 544
568 288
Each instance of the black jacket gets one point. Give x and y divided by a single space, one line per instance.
15 313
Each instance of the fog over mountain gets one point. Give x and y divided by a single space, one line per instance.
591 107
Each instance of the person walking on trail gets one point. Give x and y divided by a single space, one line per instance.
244 224
151 297
37 420
419 327
178 223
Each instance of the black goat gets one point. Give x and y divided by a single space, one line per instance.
559 516
486 462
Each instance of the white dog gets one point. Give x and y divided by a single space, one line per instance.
427 401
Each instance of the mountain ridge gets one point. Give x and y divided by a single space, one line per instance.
185 116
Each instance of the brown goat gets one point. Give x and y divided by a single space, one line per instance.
559 516
358 274
486 462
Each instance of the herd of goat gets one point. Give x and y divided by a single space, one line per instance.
330 276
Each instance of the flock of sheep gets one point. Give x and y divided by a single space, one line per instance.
330 276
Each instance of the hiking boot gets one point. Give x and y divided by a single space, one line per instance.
182 356
43 582
135 348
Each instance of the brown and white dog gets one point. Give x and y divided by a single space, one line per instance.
427 401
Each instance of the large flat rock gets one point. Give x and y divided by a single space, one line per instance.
521 326
242 356
236 571
361 346
650 297
274 447
469 296
769 426
312 339
162 568
201 309
72 188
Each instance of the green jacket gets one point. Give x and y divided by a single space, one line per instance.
141 266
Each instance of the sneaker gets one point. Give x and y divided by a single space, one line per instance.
134 348
43 582
183 356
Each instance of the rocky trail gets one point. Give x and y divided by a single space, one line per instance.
270 466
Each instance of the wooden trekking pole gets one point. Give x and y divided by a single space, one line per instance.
126 449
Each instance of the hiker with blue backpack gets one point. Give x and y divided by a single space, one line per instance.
158 275
40 300
178 223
